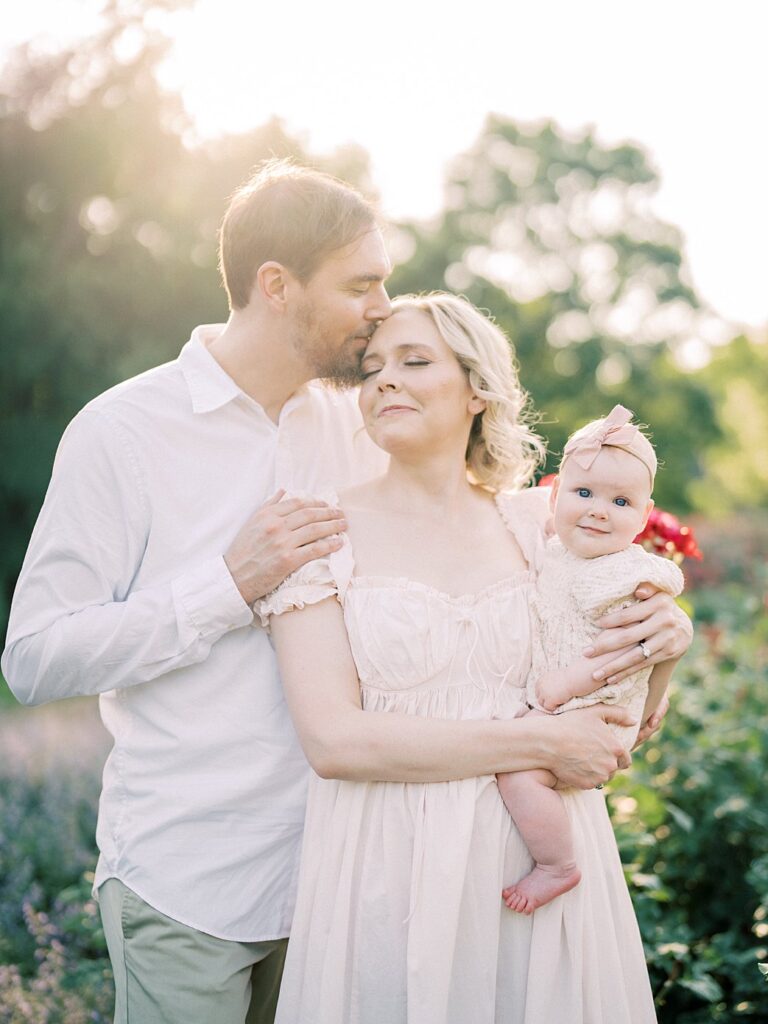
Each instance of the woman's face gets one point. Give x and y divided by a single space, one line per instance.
415 394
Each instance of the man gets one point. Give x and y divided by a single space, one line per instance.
164 521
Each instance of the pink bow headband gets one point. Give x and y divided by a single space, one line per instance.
615 431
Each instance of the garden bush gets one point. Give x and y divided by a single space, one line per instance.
692 823
53 963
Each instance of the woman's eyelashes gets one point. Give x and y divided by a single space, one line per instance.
371 371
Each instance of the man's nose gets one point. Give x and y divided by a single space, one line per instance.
380 306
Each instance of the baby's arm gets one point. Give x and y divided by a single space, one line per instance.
657 686
556 686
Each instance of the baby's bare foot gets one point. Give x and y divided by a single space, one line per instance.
540 887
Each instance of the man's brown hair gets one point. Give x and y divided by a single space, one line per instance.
293 215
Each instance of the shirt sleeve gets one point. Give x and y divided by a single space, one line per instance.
77 625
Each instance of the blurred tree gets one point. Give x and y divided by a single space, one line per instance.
736 468
109 215
554 234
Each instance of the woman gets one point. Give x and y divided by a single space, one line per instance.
423 613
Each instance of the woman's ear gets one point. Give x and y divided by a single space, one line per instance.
476 405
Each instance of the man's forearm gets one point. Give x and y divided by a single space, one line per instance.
85 651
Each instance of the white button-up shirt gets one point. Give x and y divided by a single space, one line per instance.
124 593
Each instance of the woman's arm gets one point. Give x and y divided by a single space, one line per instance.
342 741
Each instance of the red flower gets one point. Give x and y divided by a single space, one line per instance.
665 535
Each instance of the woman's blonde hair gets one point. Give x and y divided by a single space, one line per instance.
503 451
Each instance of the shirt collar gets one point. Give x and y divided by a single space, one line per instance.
210 387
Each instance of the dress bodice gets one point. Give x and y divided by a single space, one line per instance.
425 652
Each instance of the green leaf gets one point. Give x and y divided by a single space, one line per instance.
685 821
706 987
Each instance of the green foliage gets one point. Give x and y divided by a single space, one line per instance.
554 235
736 472
108 240
692 824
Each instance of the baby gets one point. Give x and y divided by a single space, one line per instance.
601 500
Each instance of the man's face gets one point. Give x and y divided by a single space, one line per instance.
339 307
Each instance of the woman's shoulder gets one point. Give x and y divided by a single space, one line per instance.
361 496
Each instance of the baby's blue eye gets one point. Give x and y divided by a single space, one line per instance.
621 502
584 492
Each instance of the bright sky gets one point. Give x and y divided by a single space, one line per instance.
412 80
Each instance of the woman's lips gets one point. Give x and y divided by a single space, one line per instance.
391 409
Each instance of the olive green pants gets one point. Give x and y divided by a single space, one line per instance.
168 973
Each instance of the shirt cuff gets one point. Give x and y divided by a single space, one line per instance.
210 599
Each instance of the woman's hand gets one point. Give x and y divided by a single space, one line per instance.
656 620
579 747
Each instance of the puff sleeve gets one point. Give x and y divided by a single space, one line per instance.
312 583
527 515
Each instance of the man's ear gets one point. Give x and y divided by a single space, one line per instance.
553 494
272 280
648 510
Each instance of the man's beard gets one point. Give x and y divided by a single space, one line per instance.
340 368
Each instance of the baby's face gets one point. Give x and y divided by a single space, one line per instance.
600 510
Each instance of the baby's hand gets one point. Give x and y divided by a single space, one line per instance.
552 690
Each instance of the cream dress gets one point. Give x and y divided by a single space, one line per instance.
399 918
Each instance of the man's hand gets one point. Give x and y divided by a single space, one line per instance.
656 619
584 751
653 723
280 537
